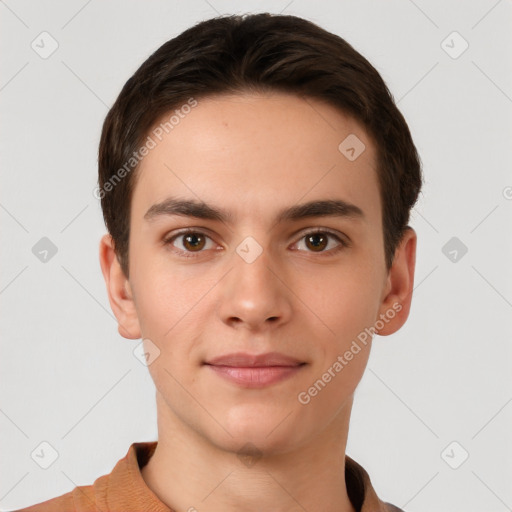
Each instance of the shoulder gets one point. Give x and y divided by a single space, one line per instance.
392 508
122 488
80 499
361 491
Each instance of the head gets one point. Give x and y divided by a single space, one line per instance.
246 130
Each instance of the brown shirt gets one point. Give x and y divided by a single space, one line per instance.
124 489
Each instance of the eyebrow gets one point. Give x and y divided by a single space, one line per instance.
201 210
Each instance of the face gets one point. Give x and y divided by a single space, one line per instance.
287 257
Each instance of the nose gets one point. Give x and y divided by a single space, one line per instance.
254 294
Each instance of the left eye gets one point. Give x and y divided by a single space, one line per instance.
318 240
193 242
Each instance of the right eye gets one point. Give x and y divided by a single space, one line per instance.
192 241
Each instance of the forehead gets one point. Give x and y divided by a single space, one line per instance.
261 152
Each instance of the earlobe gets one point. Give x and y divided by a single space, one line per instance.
119 290
396 303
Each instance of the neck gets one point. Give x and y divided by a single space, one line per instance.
189 472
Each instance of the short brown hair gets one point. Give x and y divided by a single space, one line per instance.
257 53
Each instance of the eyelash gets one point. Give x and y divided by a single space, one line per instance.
188 254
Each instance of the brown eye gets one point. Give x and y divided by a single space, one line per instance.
193 242
322 242
316 241
189 243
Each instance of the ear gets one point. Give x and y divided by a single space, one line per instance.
397 295
119 291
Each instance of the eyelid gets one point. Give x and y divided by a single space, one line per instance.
343 240
311 231
168 239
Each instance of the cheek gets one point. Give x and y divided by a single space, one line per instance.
356 311
158 290
164 302
342 300
347 306
170 298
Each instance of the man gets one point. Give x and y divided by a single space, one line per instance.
256 180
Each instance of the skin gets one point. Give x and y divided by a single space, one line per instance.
254 155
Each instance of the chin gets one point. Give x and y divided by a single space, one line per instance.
268 434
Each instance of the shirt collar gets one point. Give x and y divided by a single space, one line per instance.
127 488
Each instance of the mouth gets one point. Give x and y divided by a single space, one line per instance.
243 359
255 371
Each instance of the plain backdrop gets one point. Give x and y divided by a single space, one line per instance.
433 414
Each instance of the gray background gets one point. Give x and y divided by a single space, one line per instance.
68 377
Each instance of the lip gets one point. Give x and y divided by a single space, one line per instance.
255 371
243 359
255 377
